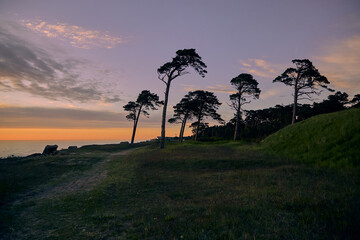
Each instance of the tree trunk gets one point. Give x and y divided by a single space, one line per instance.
197 128
183 125
181 130
295 105
236 127
237 120
133 134
135 126
163 120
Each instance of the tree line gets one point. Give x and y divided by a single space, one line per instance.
303 78
257 124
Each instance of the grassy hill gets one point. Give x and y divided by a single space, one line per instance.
219 190
329 139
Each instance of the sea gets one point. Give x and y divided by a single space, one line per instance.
24 147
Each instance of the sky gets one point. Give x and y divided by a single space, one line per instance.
67 68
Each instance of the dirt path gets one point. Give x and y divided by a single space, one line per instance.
70 182
85 181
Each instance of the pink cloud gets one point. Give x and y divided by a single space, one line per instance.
222 89
260 67
340 63
75 35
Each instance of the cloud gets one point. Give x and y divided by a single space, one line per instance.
272 93
260 67
27 68
221 88
77 36
340 63
40 117
189 87
44 117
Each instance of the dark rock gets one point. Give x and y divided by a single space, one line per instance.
50 149
72 147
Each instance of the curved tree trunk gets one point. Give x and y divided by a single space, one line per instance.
135 126
181 130
163 119
183 124
133 134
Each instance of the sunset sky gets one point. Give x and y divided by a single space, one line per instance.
68 67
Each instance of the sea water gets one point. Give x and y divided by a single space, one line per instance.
25 148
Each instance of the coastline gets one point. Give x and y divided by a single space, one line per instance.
23 148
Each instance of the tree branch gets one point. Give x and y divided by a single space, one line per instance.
162 78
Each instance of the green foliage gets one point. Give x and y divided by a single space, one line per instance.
328 139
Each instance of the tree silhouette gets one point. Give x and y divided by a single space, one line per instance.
183 111
246 87
145 101
355 102
305 79
206 105
198 129
177 67
333 103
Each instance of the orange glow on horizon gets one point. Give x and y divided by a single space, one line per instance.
82 134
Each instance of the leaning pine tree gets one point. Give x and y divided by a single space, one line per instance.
183 111
206 105
145 101
246 86
305 79
177 67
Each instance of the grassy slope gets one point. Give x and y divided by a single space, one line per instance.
189 191
329 139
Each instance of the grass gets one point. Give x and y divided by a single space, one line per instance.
23 177
217 191
300 183
326 140
19 174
